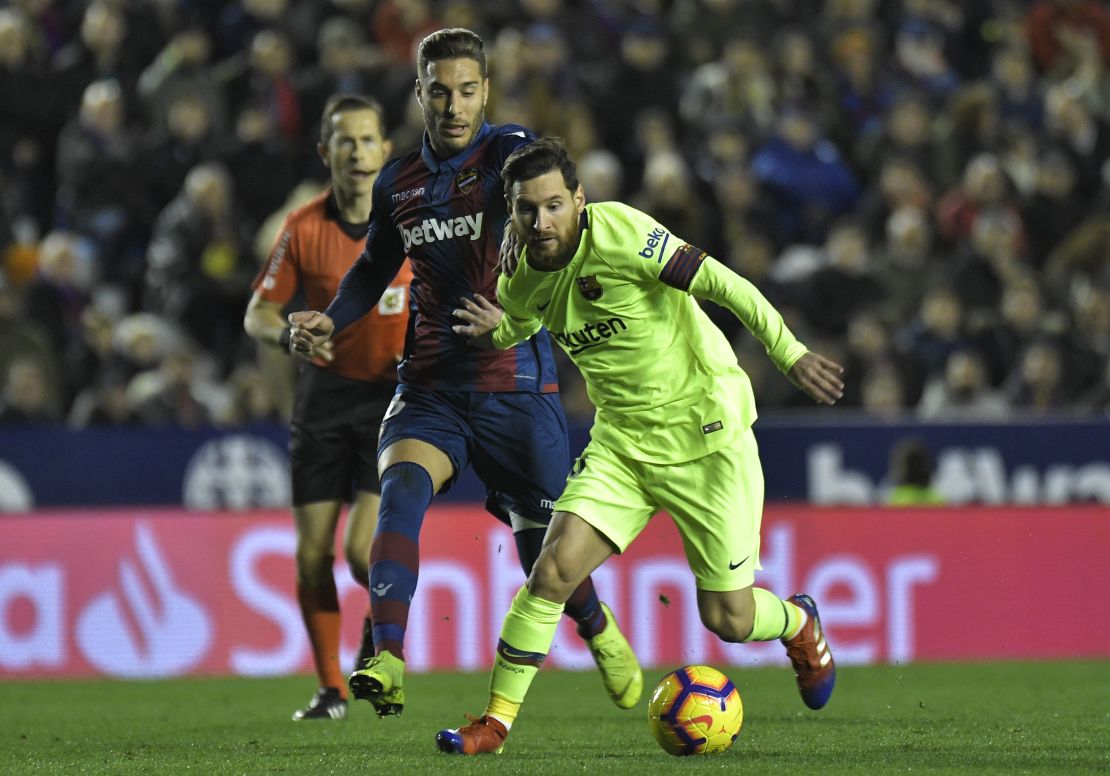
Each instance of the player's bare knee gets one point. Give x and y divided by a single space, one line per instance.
359 566
551 578
732 627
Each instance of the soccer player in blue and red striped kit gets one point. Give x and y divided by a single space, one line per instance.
443 206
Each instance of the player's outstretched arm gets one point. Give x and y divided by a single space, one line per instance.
479 318
818 377
309 330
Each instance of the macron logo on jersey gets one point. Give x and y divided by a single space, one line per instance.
432 230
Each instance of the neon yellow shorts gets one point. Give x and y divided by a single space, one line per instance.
716 502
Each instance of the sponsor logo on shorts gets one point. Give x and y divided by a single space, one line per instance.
709 428
733 566
590 336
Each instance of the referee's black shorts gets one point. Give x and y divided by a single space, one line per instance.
333 440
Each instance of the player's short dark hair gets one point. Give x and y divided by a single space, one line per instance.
339 103
537 158
450 43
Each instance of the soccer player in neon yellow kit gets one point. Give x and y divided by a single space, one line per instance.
672 430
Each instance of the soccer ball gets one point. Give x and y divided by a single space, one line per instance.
695 710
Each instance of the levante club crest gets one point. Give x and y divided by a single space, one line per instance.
466 179
589 287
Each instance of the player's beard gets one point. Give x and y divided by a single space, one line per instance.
547 257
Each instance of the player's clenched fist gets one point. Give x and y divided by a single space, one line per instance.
308 330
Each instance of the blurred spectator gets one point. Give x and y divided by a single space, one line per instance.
240 21
264 79
920 62
251 399
32 109
22 339
1057 28
103 403
1074 128
882 393
27 395
904 257
910 474
736 90
989 260
937 331
644 79
101 192
189 137
1083 256
806 181
962 392
863 92
601 175
172 394
183 67
345 64
198 266
983 186
845 284
906 136
265 166
1037 386
1054 209
59 292
1015 86
668 194
398 25
969 129
105 50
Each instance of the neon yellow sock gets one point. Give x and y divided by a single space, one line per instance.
503 710
774 617
526 637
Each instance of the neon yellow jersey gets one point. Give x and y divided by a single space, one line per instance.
662 376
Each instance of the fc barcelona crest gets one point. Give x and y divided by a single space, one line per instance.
466 179
589 287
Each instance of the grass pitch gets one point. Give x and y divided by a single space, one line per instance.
1014 718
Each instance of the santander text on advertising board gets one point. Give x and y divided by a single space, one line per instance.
165 593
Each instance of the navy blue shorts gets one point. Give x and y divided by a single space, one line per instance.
517 443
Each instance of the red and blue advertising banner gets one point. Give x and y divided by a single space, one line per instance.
165 592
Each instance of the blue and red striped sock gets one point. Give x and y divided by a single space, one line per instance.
395 553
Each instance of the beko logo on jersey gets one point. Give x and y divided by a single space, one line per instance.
656 243
431 230
401 196
590 336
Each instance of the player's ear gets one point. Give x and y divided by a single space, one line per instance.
417 89
485 90
387 148
322 150
580 198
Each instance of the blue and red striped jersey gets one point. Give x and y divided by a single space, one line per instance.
447 216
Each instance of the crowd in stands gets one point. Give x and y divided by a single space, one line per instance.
921 186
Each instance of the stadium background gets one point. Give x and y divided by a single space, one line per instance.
921 187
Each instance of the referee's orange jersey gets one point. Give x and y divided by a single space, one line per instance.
312 253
